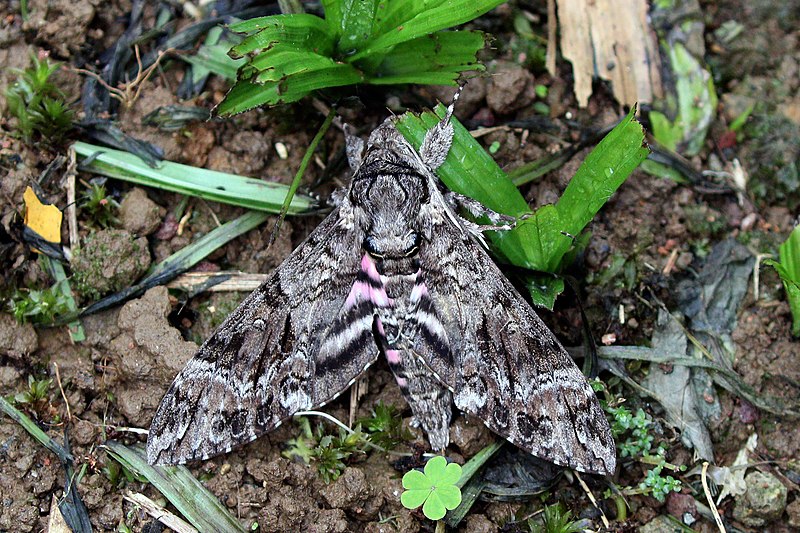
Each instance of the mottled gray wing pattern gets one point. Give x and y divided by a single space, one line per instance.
485 343
291 345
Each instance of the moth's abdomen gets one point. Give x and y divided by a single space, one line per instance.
430 402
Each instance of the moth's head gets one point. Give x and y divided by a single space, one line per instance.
385 145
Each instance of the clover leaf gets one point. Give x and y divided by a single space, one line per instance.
435 489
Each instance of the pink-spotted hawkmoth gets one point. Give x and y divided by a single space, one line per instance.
395 270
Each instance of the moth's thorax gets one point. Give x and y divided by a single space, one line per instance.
391 193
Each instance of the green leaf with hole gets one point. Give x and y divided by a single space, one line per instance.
434 489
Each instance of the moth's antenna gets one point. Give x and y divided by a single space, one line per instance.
452 105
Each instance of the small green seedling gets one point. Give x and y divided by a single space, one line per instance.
657 485
39 306
119 475
99 205
556 519
37 104
789 270
636 428
328 453
633 434
435 489
385 427
37 390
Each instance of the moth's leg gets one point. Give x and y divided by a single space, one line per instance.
354 147
499 221
337 197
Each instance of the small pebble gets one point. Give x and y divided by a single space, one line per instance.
281 150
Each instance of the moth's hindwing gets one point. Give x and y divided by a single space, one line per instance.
485 343
291 345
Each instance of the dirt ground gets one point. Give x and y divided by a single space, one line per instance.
114 380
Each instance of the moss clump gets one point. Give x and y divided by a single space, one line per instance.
109 261
774 176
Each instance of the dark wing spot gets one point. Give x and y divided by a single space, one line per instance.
218 424
238 423
287 339
527 426
500 415
264 413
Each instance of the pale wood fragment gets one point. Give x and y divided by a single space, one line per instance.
611 39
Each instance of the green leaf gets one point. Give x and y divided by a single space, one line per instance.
448 476
449 496
290 88
360 40
693 107
445 14
439 57
333 16
544 289
434 507
598 177
301 31
789 253
214 58
538 242
417 489
789 270
208 184
357 24
436 489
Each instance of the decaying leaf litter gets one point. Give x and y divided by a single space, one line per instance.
113 380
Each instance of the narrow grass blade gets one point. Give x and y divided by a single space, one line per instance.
469 495
477 461
222 187
201 508
176 264
70 504
31 427
298 177
198 250
470 484
536 169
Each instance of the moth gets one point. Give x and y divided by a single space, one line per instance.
394 269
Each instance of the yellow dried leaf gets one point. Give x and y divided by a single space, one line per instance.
44 219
